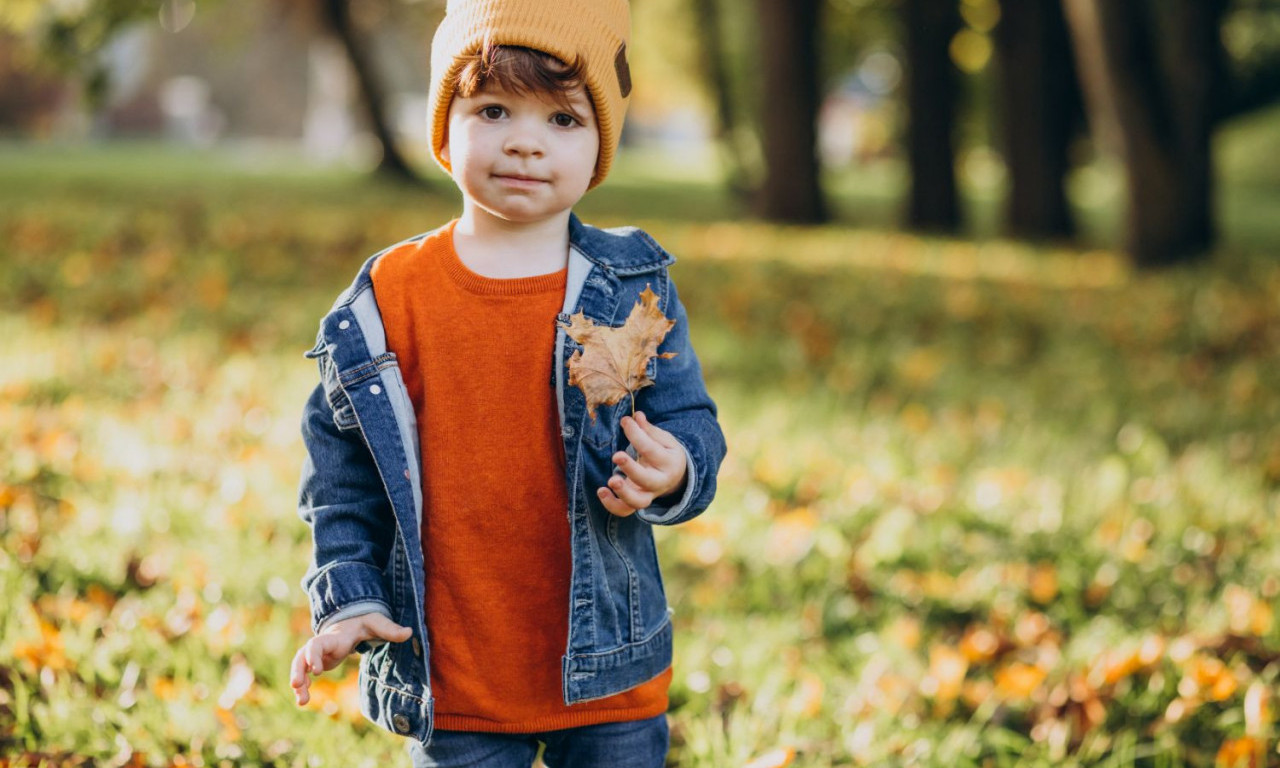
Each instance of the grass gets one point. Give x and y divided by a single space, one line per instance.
986 504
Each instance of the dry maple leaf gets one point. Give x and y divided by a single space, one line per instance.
611 363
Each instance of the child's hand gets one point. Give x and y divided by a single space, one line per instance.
661 469
327 649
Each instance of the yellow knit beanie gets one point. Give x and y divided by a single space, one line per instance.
594 32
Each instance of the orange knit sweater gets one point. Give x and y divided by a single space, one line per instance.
476 357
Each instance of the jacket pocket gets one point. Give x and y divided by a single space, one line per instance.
602 434
375 658
344 415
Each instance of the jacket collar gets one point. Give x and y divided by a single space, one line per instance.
624 250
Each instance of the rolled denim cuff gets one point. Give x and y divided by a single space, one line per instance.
657 514
354 610
343 590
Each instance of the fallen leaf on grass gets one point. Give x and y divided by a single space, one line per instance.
611 364
1019 680
1246 752
1207 676
47 652
339 698
979 644
227 721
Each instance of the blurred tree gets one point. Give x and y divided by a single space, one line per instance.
1150 72
70 36
1039 113
933 202
791 88
29 98
714 65
336 15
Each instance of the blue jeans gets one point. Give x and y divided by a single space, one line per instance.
632 744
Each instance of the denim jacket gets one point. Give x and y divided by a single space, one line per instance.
361 490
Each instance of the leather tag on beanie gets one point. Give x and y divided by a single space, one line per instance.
624 70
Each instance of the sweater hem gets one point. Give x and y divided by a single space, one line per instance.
454 722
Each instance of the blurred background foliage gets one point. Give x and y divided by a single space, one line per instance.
994 496
775 99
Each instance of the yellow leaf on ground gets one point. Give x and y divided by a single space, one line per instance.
1246 752
1044 583
164 688
230 729
979 644
339 698
1208 676
45 653
1019 680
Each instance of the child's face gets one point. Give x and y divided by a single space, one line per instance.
523 159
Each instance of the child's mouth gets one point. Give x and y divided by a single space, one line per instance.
519 181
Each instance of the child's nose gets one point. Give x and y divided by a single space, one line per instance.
523 140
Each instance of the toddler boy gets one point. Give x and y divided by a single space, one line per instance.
481 538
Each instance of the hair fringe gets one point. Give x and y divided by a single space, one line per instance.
519 70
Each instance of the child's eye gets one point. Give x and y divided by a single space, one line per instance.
492 113
565 120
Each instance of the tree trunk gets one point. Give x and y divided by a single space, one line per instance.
337 16
1149 75
931 106
1039 103
791 190
719 85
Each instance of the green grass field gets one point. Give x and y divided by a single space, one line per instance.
985 504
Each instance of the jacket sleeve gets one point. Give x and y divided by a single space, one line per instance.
679 403
342 499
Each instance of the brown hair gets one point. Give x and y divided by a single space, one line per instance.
519 70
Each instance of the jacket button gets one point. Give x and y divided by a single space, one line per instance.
567 431
344 325
417 648
400 723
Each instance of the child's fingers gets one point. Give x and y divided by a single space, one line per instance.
299 679
635 496
315 656
659 435
383 628
613 503
642 476
297 670
645 445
